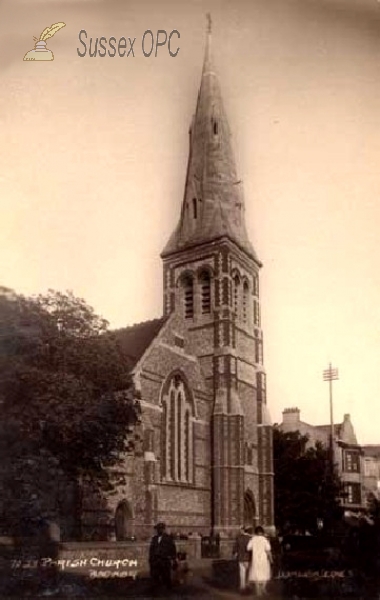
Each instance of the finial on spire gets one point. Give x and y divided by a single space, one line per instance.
209 23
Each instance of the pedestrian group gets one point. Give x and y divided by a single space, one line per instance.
252 550
254 556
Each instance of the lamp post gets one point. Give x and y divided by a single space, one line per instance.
330 375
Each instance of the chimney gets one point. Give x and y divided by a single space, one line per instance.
291 416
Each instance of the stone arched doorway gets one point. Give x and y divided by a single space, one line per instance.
124 525
249 509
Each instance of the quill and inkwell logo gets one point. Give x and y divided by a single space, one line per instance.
40 51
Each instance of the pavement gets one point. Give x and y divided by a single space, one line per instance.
198 585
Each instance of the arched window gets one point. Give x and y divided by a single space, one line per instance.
245 301
188 296
123 521
171 438
249 509
187 445
205 283
177 429
236 298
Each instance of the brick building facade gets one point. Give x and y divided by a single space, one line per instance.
205 463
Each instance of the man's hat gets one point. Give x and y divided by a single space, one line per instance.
160 525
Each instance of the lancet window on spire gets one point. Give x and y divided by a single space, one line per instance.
195 208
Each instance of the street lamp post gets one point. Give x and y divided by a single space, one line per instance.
330 375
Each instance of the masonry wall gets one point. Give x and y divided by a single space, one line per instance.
182 506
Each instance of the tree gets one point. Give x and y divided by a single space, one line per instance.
66 396
305 488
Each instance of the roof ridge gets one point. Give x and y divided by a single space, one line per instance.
156 320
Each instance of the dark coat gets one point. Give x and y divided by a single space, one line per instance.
163 550
240 547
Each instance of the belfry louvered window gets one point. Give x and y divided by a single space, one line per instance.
205 285
188 296
177 432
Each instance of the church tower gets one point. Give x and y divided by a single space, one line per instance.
211 279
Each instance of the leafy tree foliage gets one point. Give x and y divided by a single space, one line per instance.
306 489
65 392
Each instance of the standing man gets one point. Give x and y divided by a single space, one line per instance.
162 555
243 556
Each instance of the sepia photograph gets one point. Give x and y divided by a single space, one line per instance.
189 293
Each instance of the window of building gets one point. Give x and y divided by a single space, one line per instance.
351 461
205 283
195 208
188 296
353 494
179 341
245 301
370 467
177 431
215 127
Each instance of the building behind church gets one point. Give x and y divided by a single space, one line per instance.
205 461
348 454
372 470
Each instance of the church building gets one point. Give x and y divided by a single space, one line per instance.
205 464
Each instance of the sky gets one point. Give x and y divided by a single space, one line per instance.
93 156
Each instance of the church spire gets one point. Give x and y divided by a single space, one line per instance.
213 205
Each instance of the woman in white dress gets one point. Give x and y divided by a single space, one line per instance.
261 560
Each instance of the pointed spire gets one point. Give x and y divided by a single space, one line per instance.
213 205
207 59
209 23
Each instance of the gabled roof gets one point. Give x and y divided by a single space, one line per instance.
343 432
327 428
134 340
